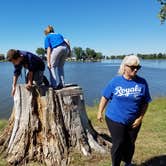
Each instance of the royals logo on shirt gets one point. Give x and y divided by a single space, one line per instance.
134 91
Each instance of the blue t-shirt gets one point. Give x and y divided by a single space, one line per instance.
30 61
125 98
53 40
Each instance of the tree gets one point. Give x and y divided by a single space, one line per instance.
2 57
78 51
87 54
99 55
41 52
91 54
47 125
162 13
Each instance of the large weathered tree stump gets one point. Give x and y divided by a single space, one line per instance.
46 125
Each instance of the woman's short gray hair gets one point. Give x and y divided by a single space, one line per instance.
131 60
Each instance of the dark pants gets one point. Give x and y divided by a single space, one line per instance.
123 141
38 78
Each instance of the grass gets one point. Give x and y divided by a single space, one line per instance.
151 141
150 144
3 123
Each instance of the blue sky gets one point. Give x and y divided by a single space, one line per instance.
112 27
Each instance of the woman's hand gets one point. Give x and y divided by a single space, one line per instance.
102 104
99 116
28 86
13 91
49 65
137 122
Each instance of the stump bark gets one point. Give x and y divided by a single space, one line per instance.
46 125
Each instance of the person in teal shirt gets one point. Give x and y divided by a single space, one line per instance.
126 97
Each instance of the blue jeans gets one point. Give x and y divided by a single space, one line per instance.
57 61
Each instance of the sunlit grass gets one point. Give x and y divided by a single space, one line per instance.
151 141
3 123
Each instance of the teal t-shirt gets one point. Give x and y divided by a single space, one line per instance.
125 98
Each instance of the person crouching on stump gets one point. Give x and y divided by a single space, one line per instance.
127 97
29 61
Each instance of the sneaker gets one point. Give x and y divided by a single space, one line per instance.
59 86
70 85
128 164
45 81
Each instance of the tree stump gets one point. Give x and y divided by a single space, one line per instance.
46 125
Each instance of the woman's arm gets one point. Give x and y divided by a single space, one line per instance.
102 105
48 57
138 121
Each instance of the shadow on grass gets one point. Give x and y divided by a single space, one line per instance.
155 161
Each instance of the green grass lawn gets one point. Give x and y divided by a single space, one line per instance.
151 141
150 144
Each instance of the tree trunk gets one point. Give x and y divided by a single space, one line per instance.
46 125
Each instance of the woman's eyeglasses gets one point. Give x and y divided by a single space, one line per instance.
134 67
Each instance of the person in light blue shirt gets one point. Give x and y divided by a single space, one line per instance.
57 51
126 99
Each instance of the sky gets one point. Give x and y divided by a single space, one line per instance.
112 27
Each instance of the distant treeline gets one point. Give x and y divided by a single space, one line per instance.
88 54
142 56
91 54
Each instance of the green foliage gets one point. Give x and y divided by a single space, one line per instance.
78 52
142 56
162 13
90 53
2 57
87 54
152 56
41 52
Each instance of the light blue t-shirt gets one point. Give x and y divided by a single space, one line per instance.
125 98
53 40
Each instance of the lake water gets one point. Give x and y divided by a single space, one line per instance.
92 77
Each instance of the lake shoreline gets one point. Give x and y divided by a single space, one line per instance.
96 106
91 77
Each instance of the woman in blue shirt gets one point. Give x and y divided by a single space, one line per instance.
127 97
57 50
